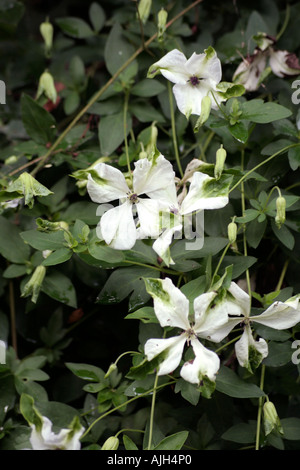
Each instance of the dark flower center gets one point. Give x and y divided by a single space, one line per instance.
133 198
194 80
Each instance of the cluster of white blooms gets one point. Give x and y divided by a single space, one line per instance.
151 193
213 319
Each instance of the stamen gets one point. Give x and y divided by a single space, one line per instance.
194 80
133 198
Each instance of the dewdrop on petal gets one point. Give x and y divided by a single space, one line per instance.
280 211
112 443
220 161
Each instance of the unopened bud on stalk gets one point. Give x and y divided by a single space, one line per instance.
220 161
280 211
46 86
144 10
232 232
161 22
271 418
46 30
33 286
111 368
112 443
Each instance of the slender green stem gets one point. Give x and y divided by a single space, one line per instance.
129 430
152 413
124 404
219 263
283 272
105 87
12 316
150 266
227 344
260 406
125 111
174 136
261 164
285 23
244 231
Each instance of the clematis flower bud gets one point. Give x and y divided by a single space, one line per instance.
112 443
220 160
33 286
144 10
111 368
2 352
232 232
161 23
271 418
46 30
47 86
280 211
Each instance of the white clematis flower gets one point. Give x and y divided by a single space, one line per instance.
204 192
265 59
172 309
106 183
195 78
280 315
45 439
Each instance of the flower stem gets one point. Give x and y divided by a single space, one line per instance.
152 413
260 406
124 404
283 272
125 111
174 137
244 231
261 164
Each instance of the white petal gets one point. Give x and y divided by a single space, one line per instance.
2 352
242 347
162 244
249 71
241 302
170 304
206 363
150 176
188 98
280 315
199 198
284 63
110 186
148 213
203 67
118 227
46 438
173 348
218 333
172 66
211 319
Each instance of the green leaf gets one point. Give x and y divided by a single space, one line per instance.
284 235
59 287
128 443
111 132
105 253
44 241
57 257
29 187
39 124
243 433
86 371
255 231
173 442
12 246
294 157
75 27
229 383
144 314
117 49
124 282
97 16
279 354
239 132
147 88
260 112
291 428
